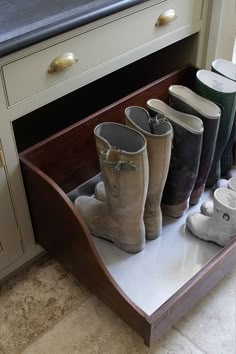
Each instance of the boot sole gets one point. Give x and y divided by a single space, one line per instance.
153 237
135 248
196 195
175 211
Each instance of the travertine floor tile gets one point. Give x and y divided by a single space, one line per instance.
94 329
211 324
44 310
34 300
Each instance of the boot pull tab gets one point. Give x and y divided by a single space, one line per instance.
155 121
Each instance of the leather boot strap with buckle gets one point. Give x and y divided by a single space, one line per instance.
117 165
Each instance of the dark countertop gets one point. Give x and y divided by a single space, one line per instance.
26 22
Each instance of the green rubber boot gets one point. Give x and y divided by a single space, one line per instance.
221 91
228 69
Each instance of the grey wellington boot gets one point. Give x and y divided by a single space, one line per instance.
228 69
221 91
159 135
124 166
221 226
207 207
185 157
185 100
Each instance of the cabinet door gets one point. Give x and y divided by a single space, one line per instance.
221 27
10 243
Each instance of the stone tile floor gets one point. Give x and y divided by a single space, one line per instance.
44 310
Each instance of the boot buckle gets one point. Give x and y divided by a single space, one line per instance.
124 165
117 166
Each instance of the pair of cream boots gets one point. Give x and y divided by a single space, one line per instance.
217 220
134 161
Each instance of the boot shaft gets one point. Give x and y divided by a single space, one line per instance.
228 69
185 156
224 210
185 100
221 91
124 166
159 136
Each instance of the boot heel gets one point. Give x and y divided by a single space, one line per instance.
196 195
175 211
128 247
153 237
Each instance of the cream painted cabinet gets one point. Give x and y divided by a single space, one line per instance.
102 47
10 242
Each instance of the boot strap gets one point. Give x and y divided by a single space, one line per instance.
117 166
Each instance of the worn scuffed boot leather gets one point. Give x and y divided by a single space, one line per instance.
185 157
221 226
185 100
207 207
159 135
228 69
124 166
222 92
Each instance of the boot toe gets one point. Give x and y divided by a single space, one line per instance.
100 193
207 208
191 223
198 225
93 211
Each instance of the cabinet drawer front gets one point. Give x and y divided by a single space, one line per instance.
29 76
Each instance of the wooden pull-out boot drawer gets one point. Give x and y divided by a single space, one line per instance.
150 290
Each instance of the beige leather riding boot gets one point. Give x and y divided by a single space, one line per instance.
124 166
158 134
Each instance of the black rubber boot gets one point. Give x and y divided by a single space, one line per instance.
185 157
185 100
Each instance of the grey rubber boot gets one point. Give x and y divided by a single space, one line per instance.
207 207
123 161
185 157
221 226
185 100
159 135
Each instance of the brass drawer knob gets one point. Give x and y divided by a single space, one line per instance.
62 62
165 18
